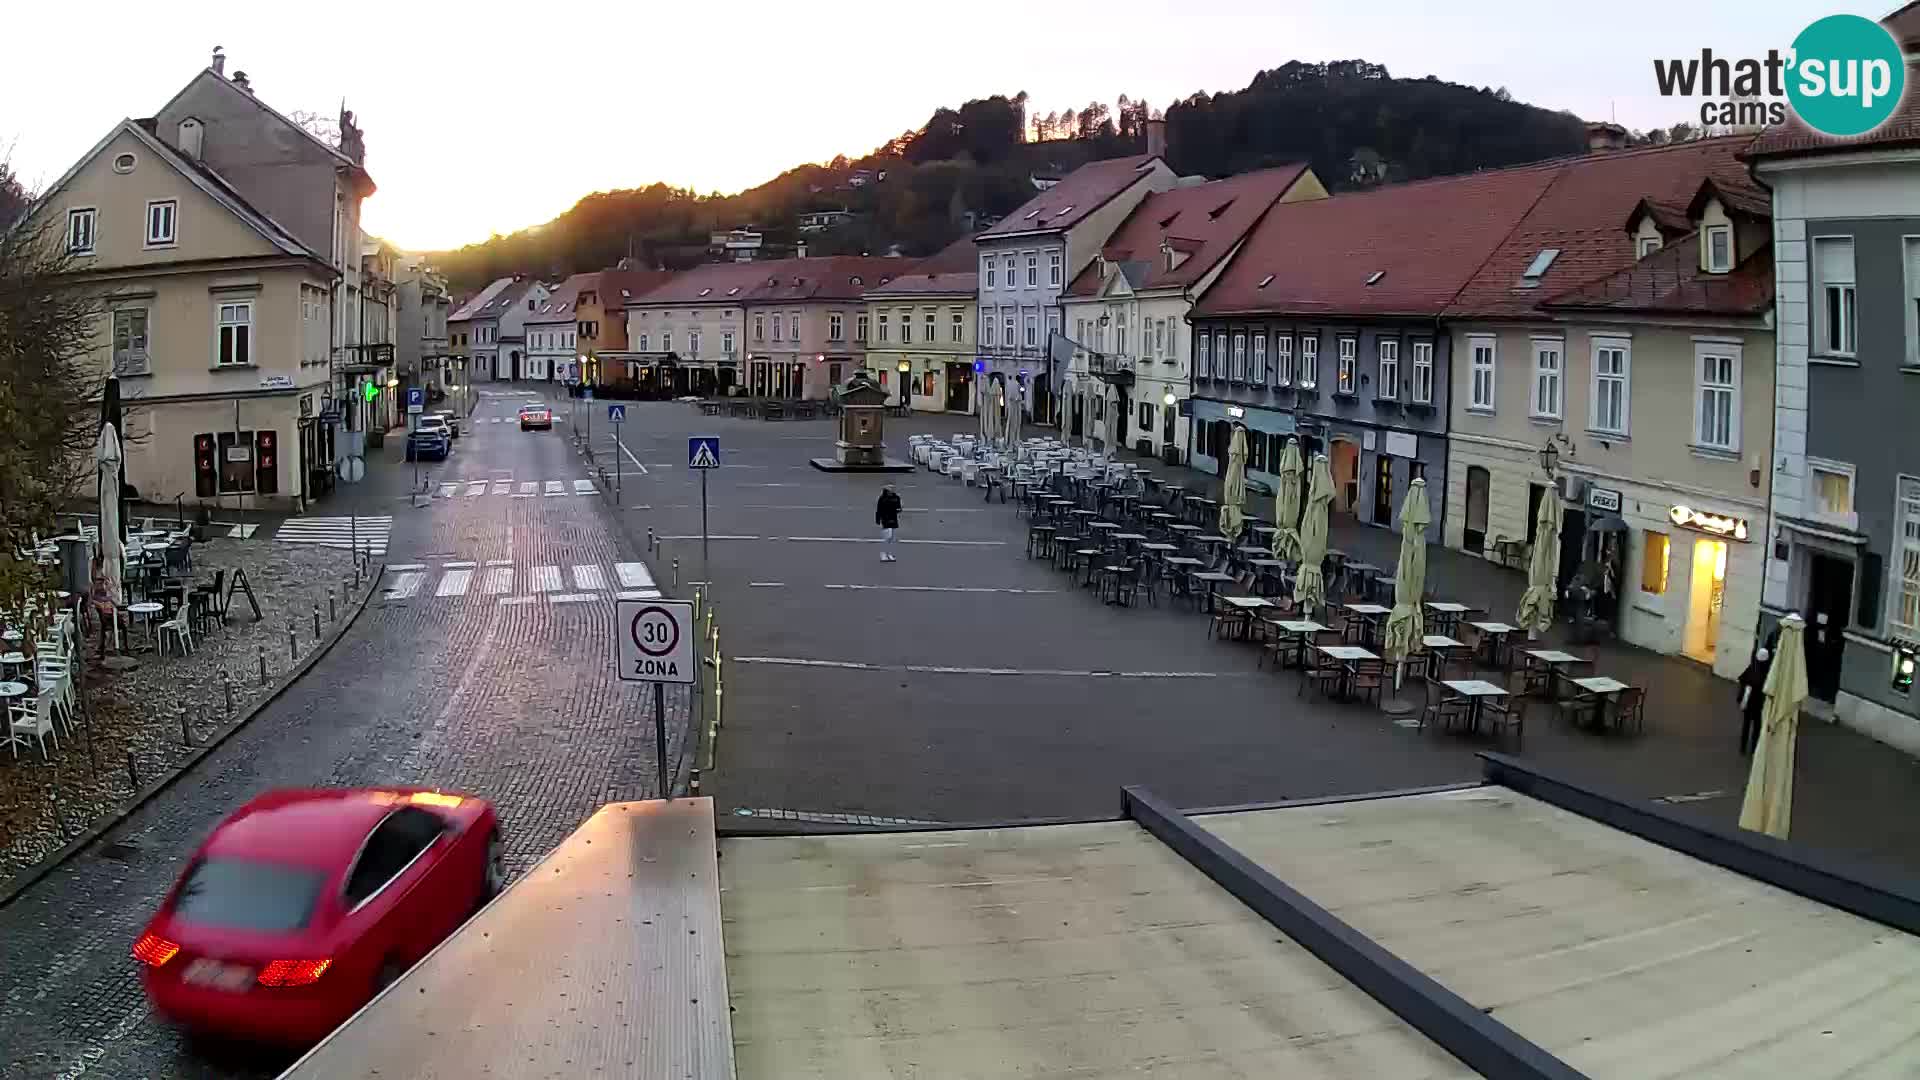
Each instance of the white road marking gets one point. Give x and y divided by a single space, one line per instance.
454 583
528 487
499 580
635 460
405 585
554 487
448 491
584 487
572 597
464 564
766 584
939 669
588 576
876 540
242 532
718 536
640 594
499 562
945 588
996 881
547 579
397 567
476 488
502 487
511 601
633 575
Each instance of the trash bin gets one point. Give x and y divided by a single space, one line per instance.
74 559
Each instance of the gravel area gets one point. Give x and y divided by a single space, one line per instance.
135 715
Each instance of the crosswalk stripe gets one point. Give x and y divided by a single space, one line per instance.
633 575
584 487
528 487
588 576
448 491
369 533
476 487
640 594
454 583
572 597
500 487
405 585
547 579
554 487
499 580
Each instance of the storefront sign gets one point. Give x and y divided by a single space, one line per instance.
1403 444
306 406
1236 411
1606 499
1366 440
1712 524
239 453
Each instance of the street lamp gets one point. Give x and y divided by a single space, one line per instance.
1170 401
905 368
1549 458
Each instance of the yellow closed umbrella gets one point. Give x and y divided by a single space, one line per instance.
1406 624
1309 584
1768 807
1543 570
1231 514
1286 503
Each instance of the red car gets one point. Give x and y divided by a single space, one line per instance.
303 905
536 416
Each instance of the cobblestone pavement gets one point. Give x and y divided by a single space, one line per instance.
967 683
137 712
516 702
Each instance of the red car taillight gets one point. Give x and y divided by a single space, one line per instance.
154 950
293 972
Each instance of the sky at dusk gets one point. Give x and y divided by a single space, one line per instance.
482 118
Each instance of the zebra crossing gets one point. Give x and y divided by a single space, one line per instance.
502 582
364 532
522 489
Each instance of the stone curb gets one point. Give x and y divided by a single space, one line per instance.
12 888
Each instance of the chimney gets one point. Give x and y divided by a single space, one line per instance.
1603 137
1156 138
219 60
240 80
191 134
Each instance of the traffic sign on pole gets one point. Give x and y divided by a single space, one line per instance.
656 639
703 452
617 413
416 399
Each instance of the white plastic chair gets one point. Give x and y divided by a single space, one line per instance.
179 629
31 719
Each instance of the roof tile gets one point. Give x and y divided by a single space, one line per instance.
1077 195
1794 138
1205 221
1670 281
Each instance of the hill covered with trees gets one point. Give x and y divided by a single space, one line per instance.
1356 124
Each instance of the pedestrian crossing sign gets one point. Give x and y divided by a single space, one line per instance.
703 452
617 414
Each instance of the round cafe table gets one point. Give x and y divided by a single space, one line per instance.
145 611
13 689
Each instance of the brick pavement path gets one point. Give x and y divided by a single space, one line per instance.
514 702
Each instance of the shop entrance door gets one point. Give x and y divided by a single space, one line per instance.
1829 593
1706 598
1344 458
1383 490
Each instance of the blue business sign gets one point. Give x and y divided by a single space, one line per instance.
703 452
617 414
416 399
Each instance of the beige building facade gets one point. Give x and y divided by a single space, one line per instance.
926 322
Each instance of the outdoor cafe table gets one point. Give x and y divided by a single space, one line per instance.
1299 631
1346 654
1491 633
1372 613
145 611
1448 613
1475 691
1213 579
13 689
1553 661
1364 571
1243 609
1269 570
1602 687
1129 538
1440 649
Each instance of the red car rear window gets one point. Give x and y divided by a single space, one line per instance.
241 894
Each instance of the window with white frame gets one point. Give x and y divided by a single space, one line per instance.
1904 615
1160 337
793 326
1717 369
1283 360
235 334
1033 329
990 270
882 330
1834 329
726 342
1120 337
1309 376
666 341
1829 495
130 342
1239 356
1006 327
986 328
1423 372
929 324
959 330
1033 269
640 343
1719 248
693 343
1013 278
1202 358
1548 354
906 326
80 224
1612 370
160 222
1481 367
1647 246
776 328
1344 374
1053 268
1389 369
1257 372
1222 359
836 326
860 328
1053 326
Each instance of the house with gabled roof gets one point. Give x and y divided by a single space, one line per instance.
918 329
552 332
801 318
216 319
1128 378
494 321
684 335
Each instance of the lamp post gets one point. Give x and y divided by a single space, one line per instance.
1549 458
906 368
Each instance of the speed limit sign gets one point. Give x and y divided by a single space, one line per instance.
656 639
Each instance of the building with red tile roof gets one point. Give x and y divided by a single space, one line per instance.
802 323
934 301
552 332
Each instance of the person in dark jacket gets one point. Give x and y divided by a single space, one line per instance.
1753 697
887 516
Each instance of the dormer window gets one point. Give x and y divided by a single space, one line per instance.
705 291
1719 241
1537 269
1374 278
1647 245
1264 282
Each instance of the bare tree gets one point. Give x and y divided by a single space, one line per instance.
324 128
50 385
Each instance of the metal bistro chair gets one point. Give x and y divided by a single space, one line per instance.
1322 672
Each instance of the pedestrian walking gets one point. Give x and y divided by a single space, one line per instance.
1753 695
887 516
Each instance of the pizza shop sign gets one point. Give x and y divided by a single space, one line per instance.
1731 528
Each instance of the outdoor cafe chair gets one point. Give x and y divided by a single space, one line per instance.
177 630
1630 709
1506 716
31 718
1444 709
1322 672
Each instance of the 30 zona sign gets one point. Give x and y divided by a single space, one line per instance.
656 639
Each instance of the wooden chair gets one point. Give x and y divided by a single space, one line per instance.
1443 708
1631 709
1502 717
1321 671
1368 676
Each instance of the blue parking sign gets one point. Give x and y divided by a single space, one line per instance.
617 414
416 399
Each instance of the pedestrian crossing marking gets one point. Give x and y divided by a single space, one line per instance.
510 601
572 598
554 487
454 583
528 487
588 577
370 533
501 487
476 487
633 575
448 491
242 532
499 581
547 579
585 487
405 585
640 594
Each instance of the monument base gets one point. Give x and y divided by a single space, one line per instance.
884 465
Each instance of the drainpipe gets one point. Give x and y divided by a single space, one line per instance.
1773 434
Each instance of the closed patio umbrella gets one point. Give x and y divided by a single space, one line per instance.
1768 806
1286 503
1543 571
1235 493
1405 624
107 458
1310 585
1015 409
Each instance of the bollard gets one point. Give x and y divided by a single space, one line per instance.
261 652
59 819
293 643
226 684
316 623
332 611
693 784
676 573
652 544
133 772
186 733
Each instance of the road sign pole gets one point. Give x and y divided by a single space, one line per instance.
619 451
706 564
660 735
